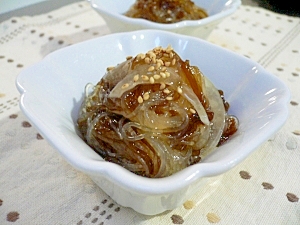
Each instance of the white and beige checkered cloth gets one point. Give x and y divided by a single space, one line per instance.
38 187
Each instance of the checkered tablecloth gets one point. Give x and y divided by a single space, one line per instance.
38 187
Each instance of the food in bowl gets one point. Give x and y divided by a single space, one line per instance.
155 114
166 11
113 13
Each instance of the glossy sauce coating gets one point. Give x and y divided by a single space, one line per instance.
166 11
154 114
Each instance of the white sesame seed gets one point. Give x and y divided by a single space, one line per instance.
156 76
146 96
152 55
136 78
129 57
147 60
173 62
158 65
192 110
150 52
151 80
160 61
169 98
125 86
140 99
166 91
167 74
142 56
151 68
169 49
164 69
163 75
144 77
167 63
110 68
162 86
179 90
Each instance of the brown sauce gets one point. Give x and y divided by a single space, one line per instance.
166 11
153 136
231 125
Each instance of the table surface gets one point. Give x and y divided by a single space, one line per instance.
37 186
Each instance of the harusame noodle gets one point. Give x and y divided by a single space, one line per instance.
154 114
166 11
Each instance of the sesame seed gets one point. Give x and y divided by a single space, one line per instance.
158 65
160 61
179 90
147 60
164 69
167 74
129 57
167 63
125 86
146 96
152 55
163 75
173 62
151 68
141 55
150 52
166 91
156 76
110 68
151 80
192 110
140 99
144 77
171 54
169 98
162 86
169 49
136 78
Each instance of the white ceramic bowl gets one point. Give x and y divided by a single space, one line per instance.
113 14
52 91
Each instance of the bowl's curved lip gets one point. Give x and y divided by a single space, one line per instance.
153 25
122 177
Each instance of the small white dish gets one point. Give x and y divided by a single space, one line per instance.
113 14
52 91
